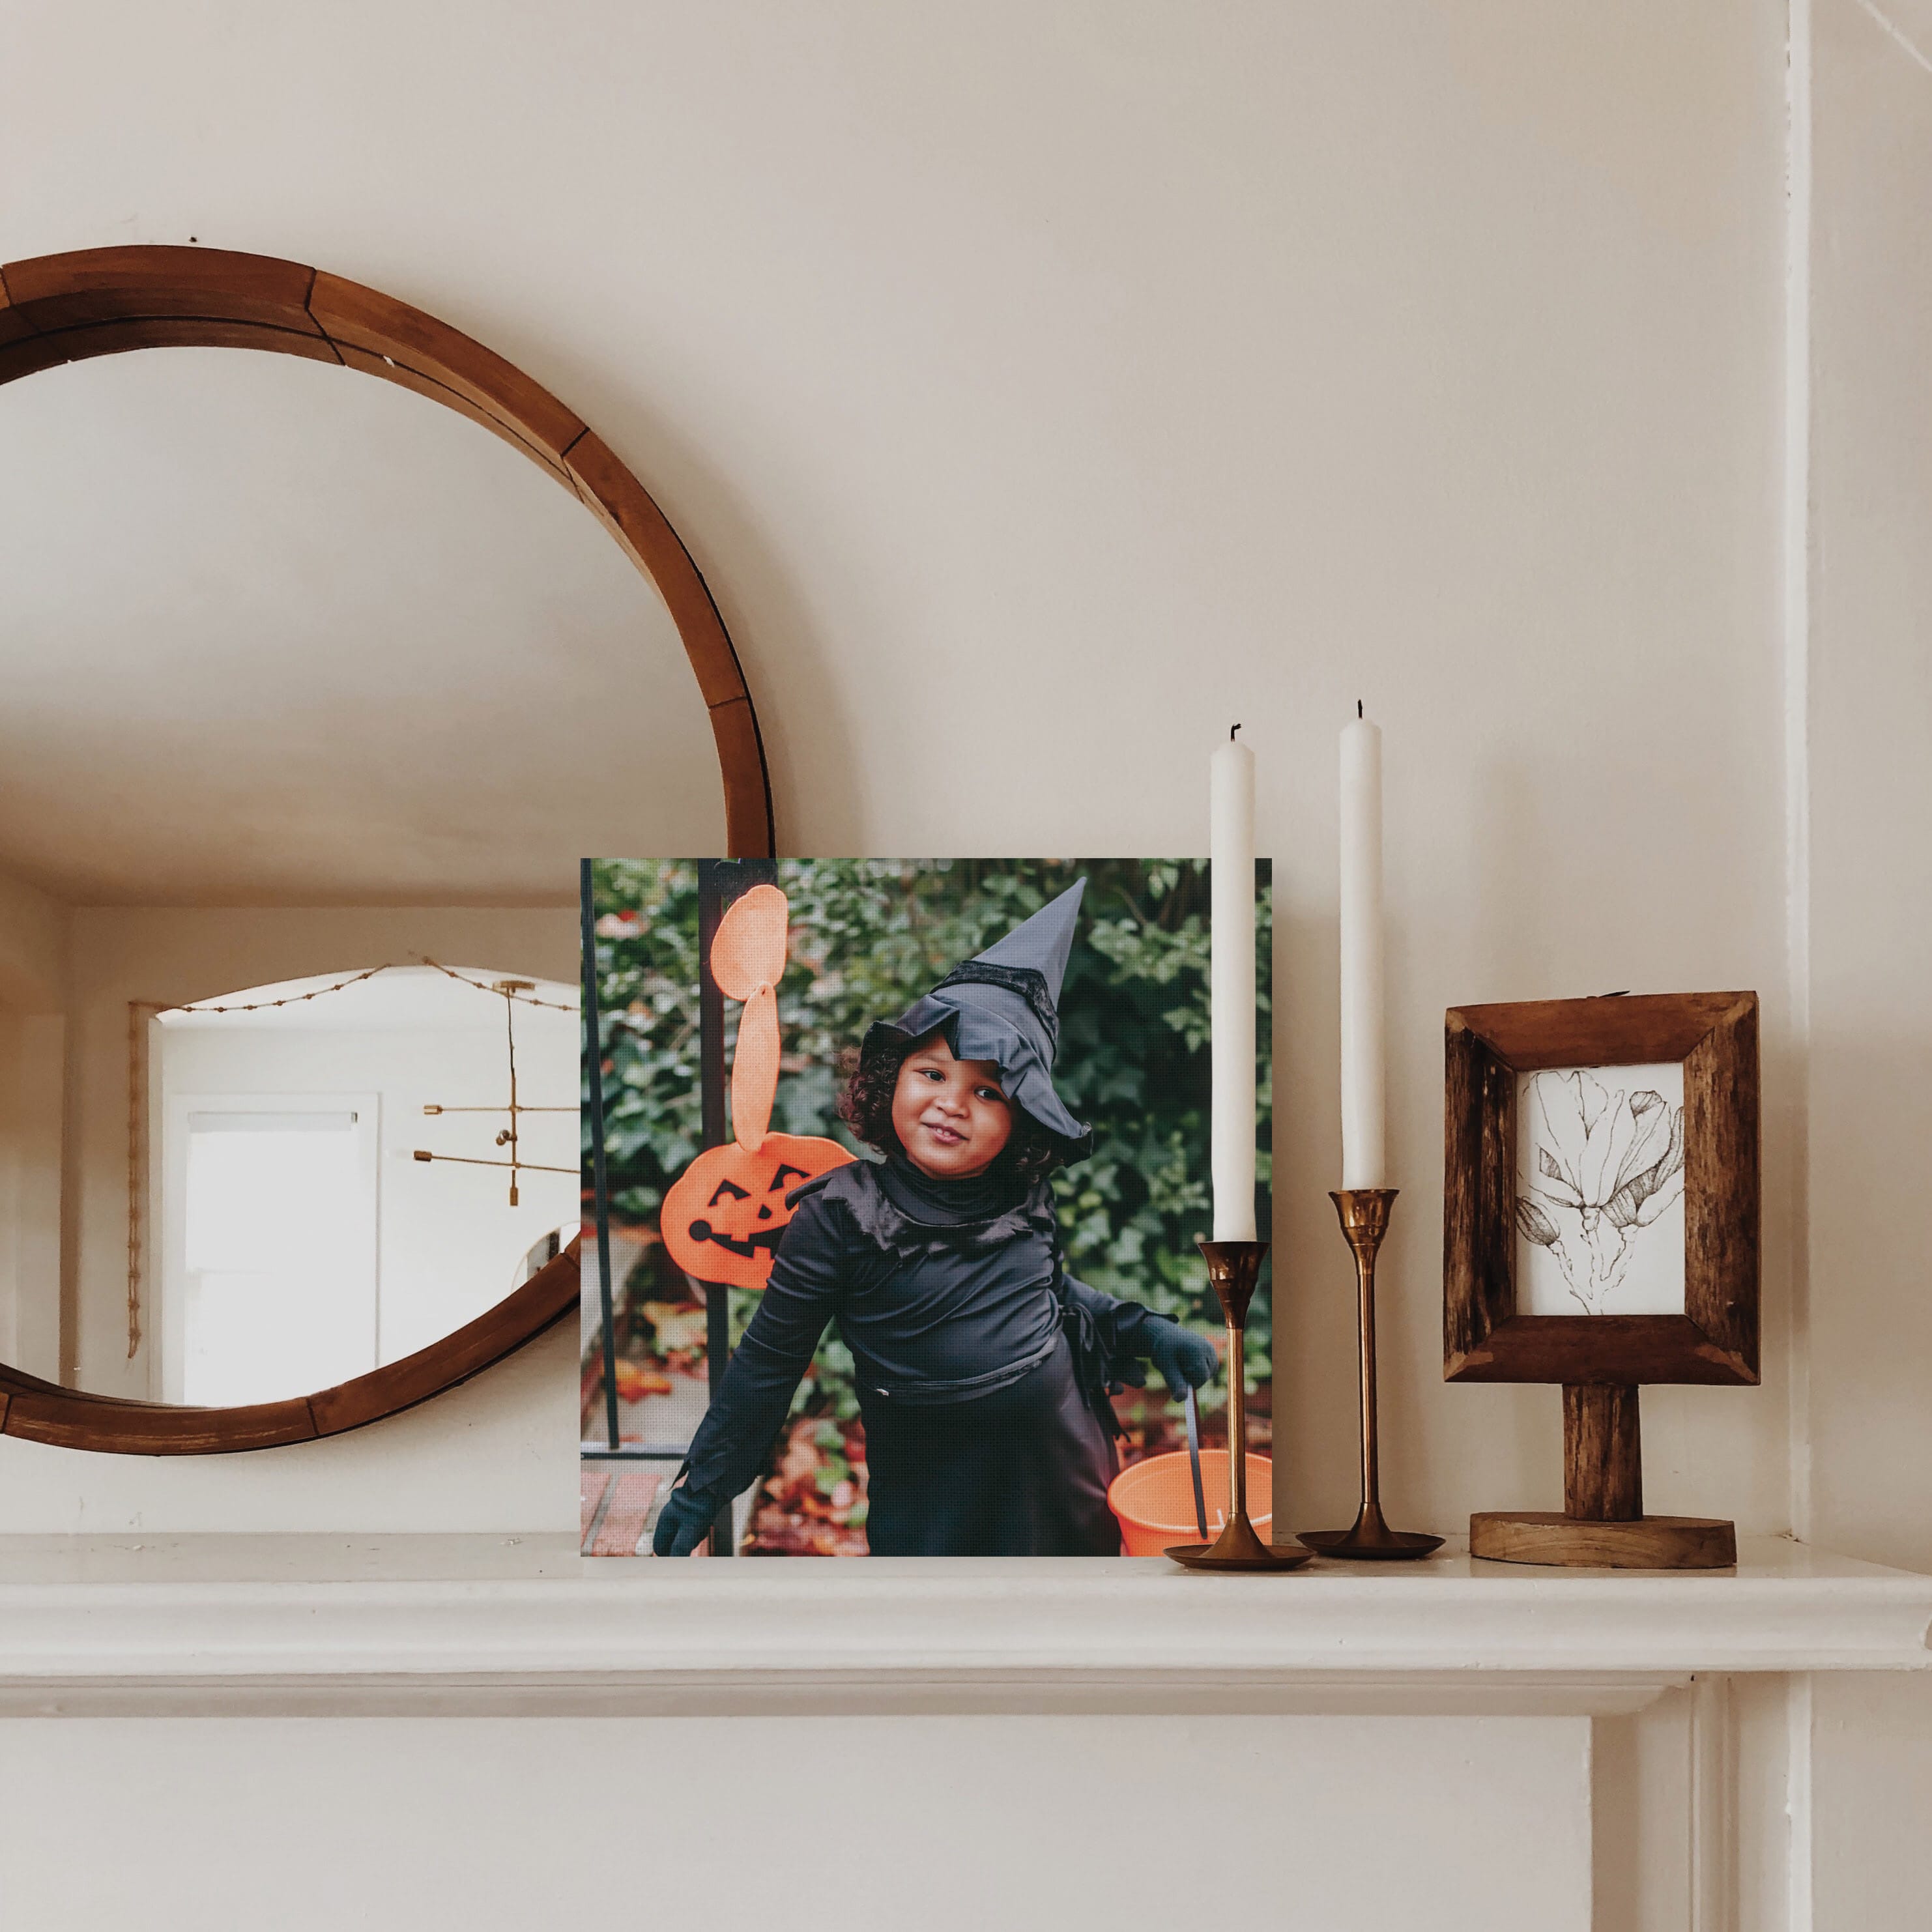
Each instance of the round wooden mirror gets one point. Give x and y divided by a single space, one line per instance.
312 700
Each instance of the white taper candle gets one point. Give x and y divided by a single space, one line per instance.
1364 1052
1232 987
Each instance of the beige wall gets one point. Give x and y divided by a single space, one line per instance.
32 1071
33 973
1041 390
33 947
1870 731
1866 1438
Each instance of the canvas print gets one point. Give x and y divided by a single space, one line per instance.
902 1190
1600 1190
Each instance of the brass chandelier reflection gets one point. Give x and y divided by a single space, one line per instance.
511 991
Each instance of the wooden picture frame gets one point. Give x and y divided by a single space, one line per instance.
1601 1359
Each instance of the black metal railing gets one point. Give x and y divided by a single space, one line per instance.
720 881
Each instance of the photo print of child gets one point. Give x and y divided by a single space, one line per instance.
957 1338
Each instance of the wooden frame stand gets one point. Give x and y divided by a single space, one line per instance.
1599 1359
1603 1524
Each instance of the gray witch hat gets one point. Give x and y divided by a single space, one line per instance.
1003 1005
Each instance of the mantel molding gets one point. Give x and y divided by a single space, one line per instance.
511 1624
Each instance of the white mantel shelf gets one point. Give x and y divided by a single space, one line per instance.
352 1624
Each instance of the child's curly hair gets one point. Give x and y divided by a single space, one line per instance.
865 1106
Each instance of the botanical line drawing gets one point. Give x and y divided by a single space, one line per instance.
1606 1165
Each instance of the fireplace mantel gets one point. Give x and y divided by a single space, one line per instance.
451 1624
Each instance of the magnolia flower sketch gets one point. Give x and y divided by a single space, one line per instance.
1606 1166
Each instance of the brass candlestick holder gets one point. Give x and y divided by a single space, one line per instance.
1234 1268
1363 1213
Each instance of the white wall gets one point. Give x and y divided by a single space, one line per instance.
313 1818
1865 1441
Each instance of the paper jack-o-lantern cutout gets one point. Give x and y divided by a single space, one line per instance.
747 959
723 1215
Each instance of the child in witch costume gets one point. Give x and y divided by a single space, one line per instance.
983 1368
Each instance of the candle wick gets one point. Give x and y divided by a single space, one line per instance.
1231 729
1358 707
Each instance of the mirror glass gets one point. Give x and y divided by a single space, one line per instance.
344 1169
301 676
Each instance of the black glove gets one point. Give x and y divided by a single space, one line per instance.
682 1521
1184 1359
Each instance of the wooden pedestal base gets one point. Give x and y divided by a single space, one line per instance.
1641 1542
1602 1525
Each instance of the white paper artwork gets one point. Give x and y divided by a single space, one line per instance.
1600 1190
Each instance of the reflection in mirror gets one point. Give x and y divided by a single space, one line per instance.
546 1250
301 673
343 1167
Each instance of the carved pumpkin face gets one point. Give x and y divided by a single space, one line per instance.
723 1215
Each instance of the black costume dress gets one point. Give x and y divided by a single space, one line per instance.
983 1368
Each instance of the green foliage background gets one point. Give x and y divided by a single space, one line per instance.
868 937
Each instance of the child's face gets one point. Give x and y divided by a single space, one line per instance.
950 1115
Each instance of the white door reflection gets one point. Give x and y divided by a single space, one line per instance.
276 1199
303 1239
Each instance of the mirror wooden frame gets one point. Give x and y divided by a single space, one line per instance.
56 309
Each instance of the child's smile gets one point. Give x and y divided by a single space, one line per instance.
951 1116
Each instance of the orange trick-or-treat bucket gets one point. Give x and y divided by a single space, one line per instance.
1153 1501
